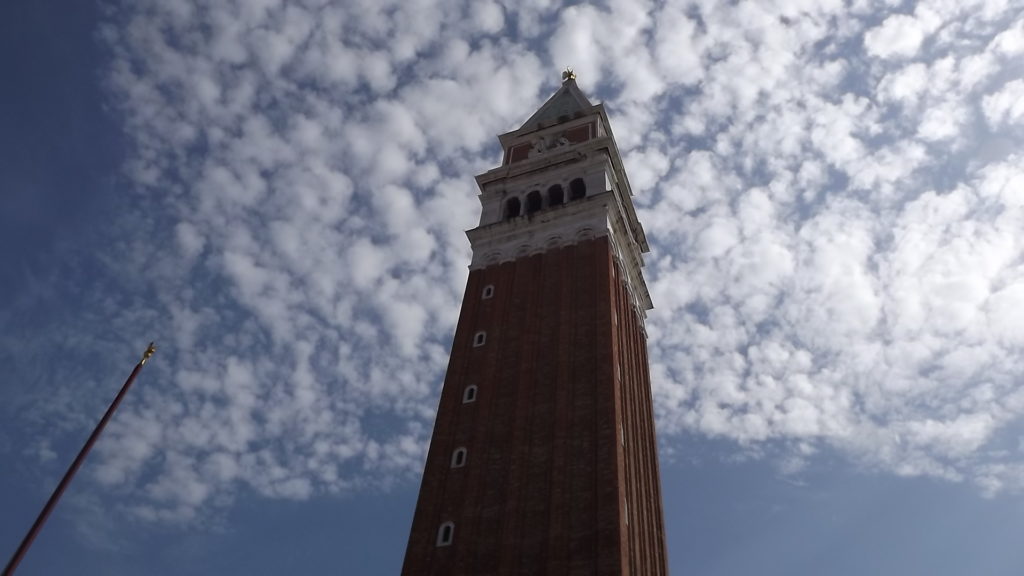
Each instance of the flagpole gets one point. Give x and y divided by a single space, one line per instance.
41 519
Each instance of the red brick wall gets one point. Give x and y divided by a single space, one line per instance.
544 487
641 479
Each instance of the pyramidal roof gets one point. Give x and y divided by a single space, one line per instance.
565 102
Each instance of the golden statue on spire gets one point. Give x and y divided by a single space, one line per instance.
568 74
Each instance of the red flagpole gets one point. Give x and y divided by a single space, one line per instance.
41 519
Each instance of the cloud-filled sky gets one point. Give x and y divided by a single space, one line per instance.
277 192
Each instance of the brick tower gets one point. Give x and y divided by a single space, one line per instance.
543 459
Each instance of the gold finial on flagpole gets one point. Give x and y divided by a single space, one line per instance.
148 353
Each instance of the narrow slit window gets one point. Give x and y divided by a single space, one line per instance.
479 338
445 534
469 394
459 458
488 291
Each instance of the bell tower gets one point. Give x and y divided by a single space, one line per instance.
543 459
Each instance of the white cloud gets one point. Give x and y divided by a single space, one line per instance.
715 240
905 85
1005 106
487 16
832 265
1009 42
676 47
942 122
901 35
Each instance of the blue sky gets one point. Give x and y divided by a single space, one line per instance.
276 193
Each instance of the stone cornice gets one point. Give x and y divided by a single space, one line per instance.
597 216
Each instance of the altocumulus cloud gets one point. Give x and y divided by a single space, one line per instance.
832 190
